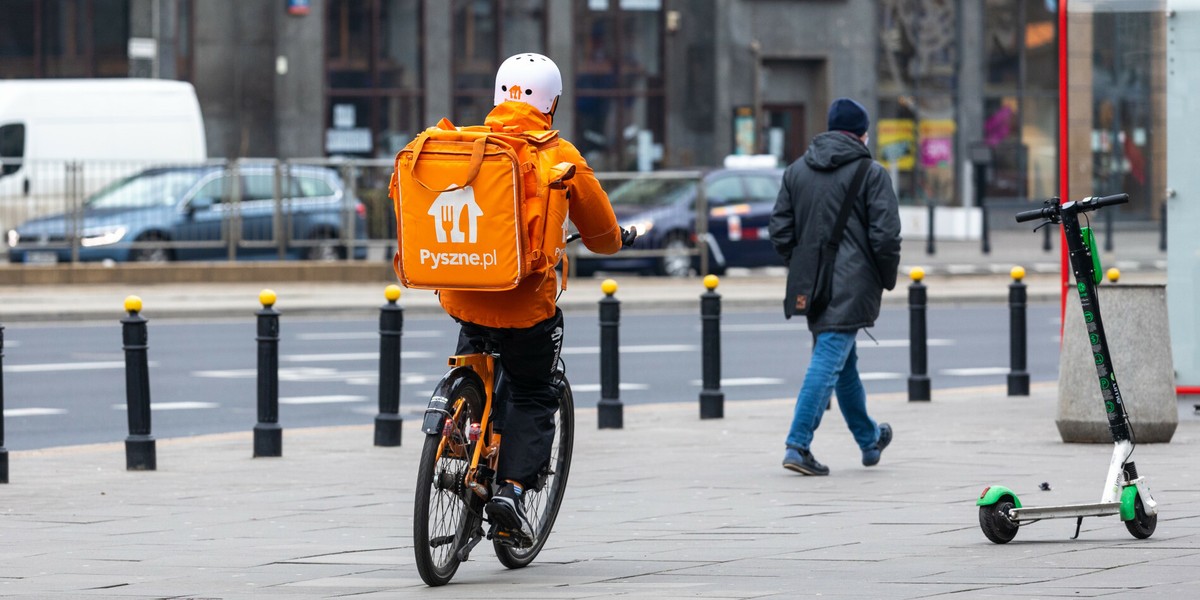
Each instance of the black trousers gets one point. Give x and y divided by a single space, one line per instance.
524 408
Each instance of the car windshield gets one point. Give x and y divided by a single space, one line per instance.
145 190
649 192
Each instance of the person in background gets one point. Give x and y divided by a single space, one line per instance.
814 189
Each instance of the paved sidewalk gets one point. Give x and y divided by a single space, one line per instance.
669 507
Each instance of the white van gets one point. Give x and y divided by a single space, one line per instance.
62 139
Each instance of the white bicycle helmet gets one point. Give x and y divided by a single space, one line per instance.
529 78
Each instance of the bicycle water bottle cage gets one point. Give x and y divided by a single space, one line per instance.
1089 240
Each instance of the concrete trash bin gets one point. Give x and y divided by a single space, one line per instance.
1135 321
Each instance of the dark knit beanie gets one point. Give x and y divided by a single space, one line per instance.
848 115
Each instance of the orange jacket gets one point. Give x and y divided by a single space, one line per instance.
532 301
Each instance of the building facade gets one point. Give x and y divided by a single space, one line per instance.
649 84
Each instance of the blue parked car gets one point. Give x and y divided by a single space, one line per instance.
664 212
185 213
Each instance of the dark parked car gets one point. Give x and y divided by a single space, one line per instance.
664 212
185 213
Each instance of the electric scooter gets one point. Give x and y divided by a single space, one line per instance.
1125 493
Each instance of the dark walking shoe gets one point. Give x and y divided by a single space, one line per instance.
507 514
802 461
871 457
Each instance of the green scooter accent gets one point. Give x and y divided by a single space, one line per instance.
1128 496
1089 240
994 493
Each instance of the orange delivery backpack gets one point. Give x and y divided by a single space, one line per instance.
478 209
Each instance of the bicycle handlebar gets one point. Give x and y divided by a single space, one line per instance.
1051 211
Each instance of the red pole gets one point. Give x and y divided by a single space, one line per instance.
1064 172
1181 390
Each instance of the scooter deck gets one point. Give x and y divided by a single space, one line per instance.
1101 509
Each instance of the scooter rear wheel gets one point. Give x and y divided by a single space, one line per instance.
1142 525
994 521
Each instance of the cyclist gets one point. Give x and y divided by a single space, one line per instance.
525 321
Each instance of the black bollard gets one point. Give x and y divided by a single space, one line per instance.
609 409
268 435
1046 245
391 321
918 380
930 247
3 451
1018 377
139 446
1162 229
1108 230
712 399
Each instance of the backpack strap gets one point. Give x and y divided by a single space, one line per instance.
477 150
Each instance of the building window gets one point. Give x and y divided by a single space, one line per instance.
489 31
64 38
619 83
916 126
374 75
1123 104
1020 105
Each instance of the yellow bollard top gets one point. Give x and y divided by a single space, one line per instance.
917 274
133 304
267 298
711 282
392 292
1018 273
1113 274
609 287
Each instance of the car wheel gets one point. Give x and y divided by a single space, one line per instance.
677 256
326 247
151 255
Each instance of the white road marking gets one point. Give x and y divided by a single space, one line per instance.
365 335
347 356
32 412
77 366
759 327
867 343
314 374
744 381
335 399
880 376
174 405
647 349
584 388
975 372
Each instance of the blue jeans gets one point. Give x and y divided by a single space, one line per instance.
834 365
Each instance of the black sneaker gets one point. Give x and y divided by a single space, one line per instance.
871 457
802 461
507 514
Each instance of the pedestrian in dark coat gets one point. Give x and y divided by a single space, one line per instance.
814 189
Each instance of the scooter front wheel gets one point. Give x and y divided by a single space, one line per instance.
1142 525
994 521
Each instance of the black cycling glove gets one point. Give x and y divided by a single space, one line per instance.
628 236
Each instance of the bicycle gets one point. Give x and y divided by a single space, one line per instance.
457 471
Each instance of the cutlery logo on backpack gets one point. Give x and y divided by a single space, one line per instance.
449 211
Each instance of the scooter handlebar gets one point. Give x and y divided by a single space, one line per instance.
1037 213
1110 200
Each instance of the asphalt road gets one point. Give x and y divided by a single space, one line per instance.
64 384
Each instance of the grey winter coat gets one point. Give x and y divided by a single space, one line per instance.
807 208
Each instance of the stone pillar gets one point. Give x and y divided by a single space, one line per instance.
1135 322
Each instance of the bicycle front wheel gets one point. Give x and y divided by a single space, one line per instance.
541 506
443 520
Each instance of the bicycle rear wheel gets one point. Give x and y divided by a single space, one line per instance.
443 519
541 506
